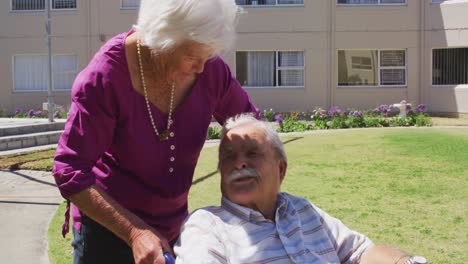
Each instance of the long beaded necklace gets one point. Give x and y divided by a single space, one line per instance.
165 134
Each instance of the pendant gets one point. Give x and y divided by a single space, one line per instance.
164 135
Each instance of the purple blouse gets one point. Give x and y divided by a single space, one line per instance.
109 141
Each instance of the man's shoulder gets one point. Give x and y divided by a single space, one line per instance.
205 213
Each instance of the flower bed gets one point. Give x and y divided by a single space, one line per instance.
59 113
336 118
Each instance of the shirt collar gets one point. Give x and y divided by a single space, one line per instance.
251 215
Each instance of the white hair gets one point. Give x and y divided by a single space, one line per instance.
163 24
270 132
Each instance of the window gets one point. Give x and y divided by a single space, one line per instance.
130 4
450 66
371 2
30 72
371 67
32 5
270 68
448 1
269 2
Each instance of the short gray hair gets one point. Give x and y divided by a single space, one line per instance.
270 132
163 24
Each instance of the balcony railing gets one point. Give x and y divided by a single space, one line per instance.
33 5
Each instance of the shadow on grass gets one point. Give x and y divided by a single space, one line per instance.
31 203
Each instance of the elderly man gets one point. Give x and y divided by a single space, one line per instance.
257 224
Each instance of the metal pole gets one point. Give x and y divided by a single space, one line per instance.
50 96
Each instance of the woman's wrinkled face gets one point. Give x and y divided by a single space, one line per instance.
191 58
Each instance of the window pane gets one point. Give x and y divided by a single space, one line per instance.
392 76
392 1
290 58
371 2
291 78
64 4
28 4
357 67
290 2
130 3
256 68
450 66
30 73
392 58
358 2
64 71
256 2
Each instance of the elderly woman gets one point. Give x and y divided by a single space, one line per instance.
138 121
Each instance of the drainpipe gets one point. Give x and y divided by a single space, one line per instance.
422 61
50 96
331 60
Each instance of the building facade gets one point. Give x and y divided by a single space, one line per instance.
290 55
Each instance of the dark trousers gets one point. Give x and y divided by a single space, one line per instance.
95 244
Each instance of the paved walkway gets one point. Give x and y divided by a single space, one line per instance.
28 200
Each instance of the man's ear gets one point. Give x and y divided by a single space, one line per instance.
282 169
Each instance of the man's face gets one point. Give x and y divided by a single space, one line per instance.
251 171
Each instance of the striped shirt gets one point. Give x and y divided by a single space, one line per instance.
301 233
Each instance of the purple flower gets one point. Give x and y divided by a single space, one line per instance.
279 118
334 111
357 114
420 108
17 111
37 113
383 109
408 107
319 114
393 111
31 113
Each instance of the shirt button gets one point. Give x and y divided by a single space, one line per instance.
172 147
171 169
172 134
172 158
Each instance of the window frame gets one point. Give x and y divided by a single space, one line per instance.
44 10
379 68
379 3
458 86
277 69
122 7
53 84
275 5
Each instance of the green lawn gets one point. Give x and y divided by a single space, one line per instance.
405 187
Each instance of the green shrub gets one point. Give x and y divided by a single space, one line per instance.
290 124
269 115
338 122
397 121
354 121
422 120
373 121
214 133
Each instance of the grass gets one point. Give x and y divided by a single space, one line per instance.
405 187
39 160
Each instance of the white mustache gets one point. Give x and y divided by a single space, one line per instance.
244 172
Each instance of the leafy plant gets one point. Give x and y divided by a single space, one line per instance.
269 115
291 124
214 133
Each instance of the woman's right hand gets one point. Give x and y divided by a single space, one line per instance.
148 247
